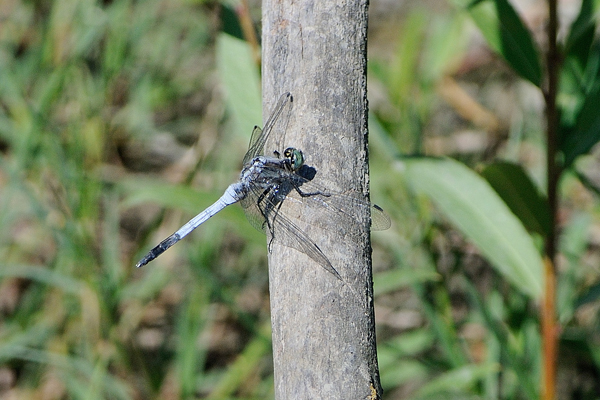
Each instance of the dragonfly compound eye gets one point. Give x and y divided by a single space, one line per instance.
295 157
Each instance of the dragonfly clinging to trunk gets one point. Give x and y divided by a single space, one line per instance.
266 182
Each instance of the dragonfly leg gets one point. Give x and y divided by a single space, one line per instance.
308 194
271 228
269 213
258 201
264 212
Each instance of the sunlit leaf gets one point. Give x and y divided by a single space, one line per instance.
457 380
239 75
402 372
404 66
139 191
446 47
385 282
473 206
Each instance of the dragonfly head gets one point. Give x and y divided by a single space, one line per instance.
295 157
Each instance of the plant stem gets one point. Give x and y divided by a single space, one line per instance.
549 331
243 13
548 312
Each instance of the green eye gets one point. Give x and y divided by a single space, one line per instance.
295 156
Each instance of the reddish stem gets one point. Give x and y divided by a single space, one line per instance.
548 311
243 13
549 332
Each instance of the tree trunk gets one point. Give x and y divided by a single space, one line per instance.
323 327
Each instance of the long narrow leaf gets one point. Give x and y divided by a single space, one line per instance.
518 47
519 193
478 212
581 34
42 275
506 34
457 381
586 133
240 78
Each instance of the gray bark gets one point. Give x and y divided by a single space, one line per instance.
323 328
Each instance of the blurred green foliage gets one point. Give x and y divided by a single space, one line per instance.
86 87
493 349
113 112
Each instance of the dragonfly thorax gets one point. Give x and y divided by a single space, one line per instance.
294 157
263 172
252 171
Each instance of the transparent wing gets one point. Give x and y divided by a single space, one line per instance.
266 211
260 203
253 147
288 234
380 221
277 121
344 209
253 213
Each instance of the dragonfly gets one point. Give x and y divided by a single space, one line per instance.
267 182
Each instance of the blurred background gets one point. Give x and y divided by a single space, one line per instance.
120 120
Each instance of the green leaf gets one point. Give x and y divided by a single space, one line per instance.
579 72
478 212
389 281
42 275
403 69
574 243
230 21
585 134
241 81
483 14
520 194
402 372
139 191
517 44
458 380
191 321
581 34
446 46
507 35
410 342
581 68
592 295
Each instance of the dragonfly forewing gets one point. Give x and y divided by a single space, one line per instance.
341 209
273 208
277 123
280 228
